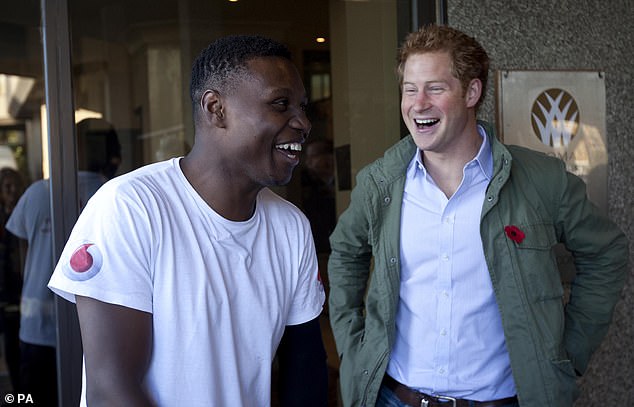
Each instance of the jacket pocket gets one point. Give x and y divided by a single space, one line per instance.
349 375
562 387
537 262
356 331
541 280
537 236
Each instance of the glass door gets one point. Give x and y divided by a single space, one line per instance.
125 67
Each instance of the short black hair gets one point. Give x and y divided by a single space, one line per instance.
226 59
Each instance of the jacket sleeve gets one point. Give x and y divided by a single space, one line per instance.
349 268
600 252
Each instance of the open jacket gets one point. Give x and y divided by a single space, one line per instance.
549 342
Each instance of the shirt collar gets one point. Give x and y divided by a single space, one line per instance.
484 159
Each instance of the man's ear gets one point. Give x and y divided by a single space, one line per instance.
212 108
474 91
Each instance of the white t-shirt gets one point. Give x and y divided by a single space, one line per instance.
220 292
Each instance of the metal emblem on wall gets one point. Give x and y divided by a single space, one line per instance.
561 113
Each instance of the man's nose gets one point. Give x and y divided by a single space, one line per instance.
421 101
301 123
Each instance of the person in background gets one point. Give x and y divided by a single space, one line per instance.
464 303
99 154
189 274
318 200
11 266
318 191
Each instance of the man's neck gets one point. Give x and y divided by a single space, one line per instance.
446 169
229 200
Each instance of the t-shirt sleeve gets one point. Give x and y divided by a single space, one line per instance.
310 296
17 222
107 256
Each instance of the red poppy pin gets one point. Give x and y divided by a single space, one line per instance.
514 233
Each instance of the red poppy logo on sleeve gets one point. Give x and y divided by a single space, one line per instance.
84 263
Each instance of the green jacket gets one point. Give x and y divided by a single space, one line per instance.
548 341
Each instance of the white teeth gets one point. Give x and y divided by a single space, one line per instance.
290 146
425 121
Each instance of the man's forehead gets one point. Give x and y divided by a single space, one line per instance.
428 63
436 56
267 60
274 73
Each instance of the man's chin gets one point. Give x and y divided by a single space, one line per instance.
280 181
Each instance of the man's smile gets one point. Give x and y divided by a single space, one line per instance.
289 149
423 123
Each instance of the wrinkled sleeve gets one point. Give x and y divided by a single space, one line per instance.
349 268
600 251
309 298
108 254
30 211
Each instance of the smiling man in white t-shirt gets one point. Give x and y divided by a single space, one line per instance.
190 274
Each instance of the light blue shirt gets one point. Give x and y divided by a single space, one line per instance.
449 336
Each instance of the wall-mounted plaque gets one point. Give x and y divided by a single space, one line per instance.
561 113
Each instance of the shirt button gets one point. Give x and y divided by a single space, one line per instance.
443 332
387 199
445 257
441 371
445 294
393 260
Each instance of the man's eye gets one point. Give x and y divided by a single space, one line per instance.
303 106
281 104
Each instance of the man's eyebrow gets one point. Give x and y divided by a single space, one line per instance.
276 90
282 91
430 82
